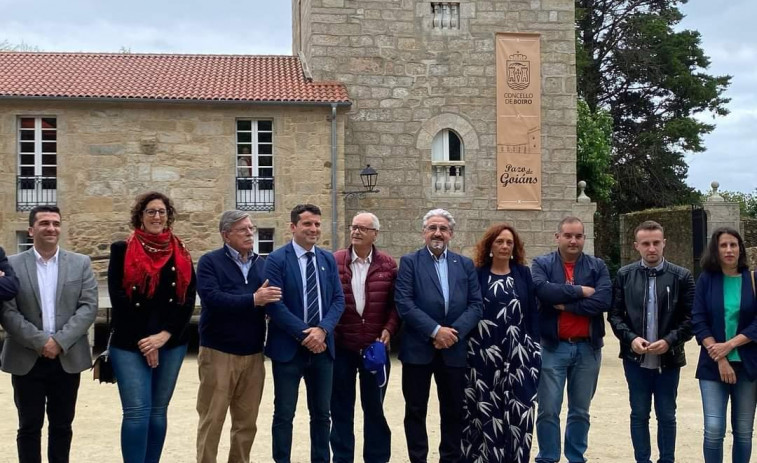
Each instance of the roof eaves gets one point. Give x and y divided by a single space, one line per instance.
176 100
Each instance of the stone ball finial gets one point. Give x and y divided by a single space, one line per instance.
582 198
714 196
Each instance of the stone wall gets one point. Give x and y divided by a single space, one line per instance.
408 80
749 232
110 152
751 254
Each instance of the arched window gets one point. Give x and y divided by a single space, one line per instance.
446 146
448 162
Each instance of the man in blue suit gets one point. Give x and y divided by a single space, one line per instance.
439 299
301 333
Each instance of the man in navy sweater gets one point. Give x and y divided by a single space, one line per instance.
232 332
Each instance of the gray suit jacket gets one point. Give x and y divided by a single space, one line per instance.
75 311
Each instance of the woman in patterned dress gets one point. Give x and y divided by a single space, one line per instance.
504 356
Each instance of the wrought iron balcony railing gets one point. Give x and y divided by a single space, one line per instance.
36 191
255 193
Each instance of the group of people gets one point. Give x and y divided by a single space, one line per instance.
497 336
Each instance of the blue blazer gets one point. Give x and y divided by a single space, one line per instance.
708 320
549 280
8 283
285 332
420 303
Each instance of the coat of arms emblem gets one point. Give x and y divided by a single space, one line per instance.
518 71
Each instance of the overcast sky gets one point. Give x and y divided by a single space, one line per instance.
264 27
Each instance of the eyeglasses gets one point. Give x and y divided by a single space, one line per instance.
252 229
361 228
441 229
154 212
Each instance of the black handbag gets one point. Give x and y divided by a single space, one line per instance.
103 368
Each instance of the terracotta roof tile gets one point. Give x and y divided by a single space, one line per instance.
220 78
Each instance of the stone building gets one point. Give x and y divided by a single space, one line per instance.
418 70
88 132
407 86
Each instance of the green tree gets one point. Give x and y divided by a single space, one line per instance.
594 151
652 80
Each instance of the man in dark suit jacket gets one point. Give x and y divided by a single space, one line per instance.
8 279
301 333
438 297
47 346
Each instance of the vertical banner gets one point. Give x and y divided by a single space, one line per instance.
518 121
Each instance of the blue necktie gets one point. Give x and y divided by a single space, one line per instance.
312 291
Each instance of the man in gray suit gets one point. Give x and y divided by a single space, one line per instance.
47 348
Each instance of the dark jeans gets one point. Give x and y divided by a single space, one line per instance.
46 382
450 389
643 383
317 369
145 393
377 442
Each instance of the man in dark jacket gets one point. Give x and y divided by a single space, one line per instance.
8 279
573 289
439 300
651 315
367 276
232 331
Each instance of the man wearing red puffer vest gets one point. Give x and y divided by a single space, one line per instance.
367 277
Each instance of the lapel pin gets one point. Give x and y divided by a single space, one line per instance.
323 269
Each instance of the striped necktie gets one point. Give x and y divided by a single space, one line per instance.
312 291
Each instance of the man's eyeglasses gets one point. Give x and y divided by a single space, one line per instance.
361 228
435 228
252 229
154 212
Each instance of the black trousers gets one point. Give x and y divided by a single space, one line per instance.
450 388
47 385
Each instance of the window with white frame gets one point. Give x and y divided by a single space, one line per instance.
448 162
254 165
23 241
264 241
37 179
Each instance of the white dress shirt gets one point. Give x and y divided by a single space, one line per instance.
359 273
47 277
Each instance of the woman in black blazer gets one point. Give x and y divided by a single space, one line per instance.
725 324
151 281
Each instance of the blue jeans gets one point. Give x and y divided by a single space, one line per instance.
145 393
317 369
578 365
377 443
643 383
715 397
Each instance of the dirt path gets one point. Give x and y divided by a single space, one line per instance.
96 429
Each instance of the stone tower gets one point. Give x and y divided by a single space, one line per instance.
421 76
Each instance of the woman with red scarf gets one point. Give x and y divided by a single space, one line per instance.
151 281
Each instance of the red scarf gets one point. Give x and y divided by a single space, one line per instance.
147 254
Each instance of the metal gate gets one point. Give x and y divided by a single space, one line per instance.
699 235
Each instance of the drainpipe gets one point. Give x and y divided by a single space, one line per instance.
334 212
